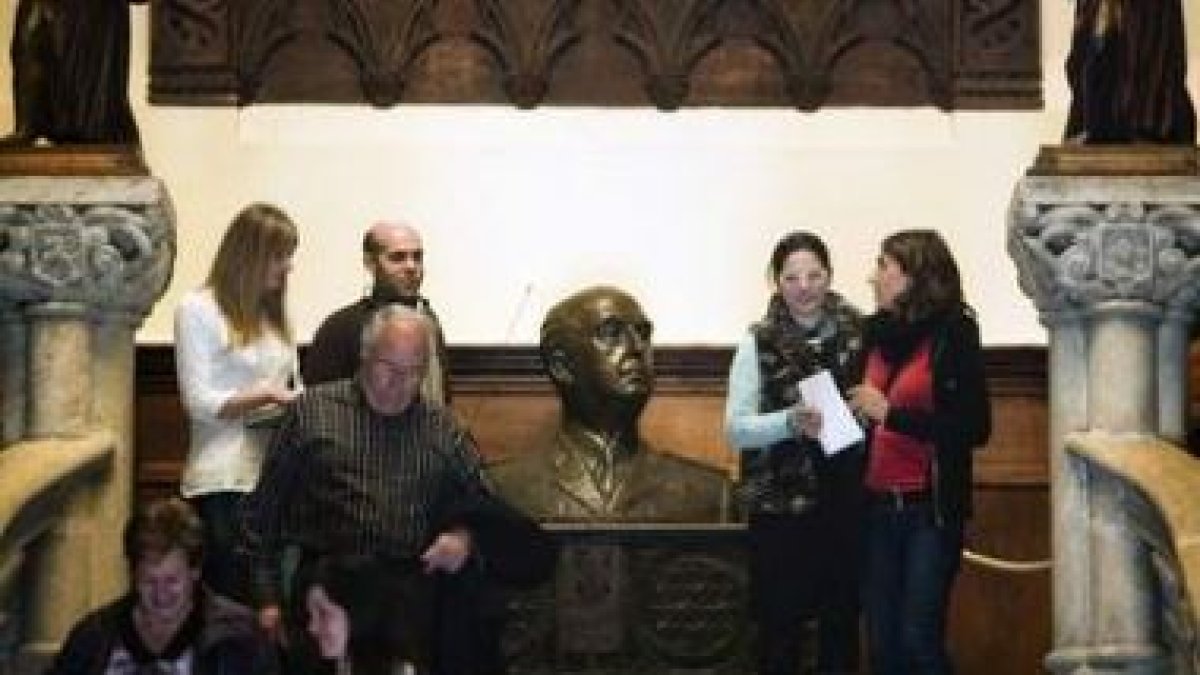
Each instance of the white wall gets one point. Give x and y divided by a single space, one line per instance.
521 208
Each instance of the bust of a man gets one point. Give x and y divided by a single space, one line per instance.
595 466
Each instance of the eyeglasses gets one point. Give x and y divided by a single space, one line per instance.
415 369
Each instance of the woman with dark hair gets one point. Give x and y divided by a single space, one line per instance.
925 395
803 506
236 362
351 615
168 623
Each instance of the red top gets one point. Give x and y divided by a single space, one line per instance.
900 463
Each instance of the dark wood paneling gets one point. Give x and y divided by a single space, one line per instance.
503 395
971 54
1000 622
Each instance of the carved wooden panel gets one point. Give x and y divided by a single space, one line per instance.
972 54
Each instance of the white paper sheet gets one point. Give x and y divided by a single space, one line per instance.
839 429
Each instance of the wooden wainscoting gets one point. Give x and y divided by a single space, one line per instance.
1000 621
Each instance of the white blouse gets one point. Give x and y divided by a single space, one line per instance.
224 455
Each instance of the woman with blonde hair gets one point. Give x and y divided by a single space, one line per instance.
236 364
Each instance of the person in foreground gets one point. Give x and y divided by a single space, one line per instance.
925 396
236 363
804 508
351 616
367 466
168 624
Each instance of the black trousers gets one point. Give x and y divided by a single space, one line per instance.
805 568
225 567
783 588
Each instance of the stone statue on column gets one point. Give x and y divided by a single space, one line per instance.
1128 74
70 63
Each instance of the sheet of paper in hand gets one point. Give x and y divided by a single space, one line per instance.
839 429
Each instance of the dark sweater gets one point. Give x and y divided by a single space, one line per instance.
225 638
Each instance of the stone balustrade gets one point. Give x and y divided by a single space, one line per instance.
1150 487
38 482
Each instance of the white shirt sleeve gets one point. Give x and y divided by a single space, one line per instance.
745 427
201 339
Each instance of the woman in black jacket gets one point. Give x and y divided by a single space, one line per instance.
925 396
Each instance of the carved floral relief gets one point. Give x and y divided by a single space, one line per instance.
952 54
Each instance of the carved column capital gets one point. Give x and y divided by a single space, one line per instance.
1081 242
107 244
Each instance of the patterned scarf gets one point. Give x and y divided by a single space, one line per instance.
783 477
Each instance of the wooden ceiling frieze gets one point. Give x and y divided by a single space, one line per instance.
806 54
526 40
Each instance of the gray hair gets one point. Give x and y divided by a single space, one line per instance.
384 317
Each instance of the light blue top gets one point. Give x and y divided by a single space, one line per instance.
745 427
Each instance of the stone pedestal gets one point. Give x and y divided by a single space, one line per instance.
636 598
87 246
1112 260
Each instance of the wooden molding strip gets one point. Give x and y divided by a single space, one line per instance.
1014 371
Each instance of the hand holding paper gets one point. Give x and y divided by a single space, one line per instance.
839 429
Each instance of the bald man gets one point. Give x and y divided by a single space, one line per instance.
394 255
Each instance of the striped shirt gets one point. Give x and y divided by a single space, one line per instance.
340 477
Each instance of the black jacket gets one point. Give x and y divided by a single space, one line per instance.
961 419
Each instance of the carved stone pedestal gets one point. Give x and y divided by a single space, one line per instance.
630 598
82 259
1113 264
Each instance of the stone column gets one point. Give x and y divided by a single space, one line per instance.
112 374
1123 359
13 375
1069 397
1104 258
1173 395
86 257
59 389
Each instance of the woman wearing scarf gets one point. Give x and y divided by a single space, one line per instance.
803 506
925 396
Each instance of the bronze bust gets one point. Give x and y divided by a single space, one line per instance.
595 466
